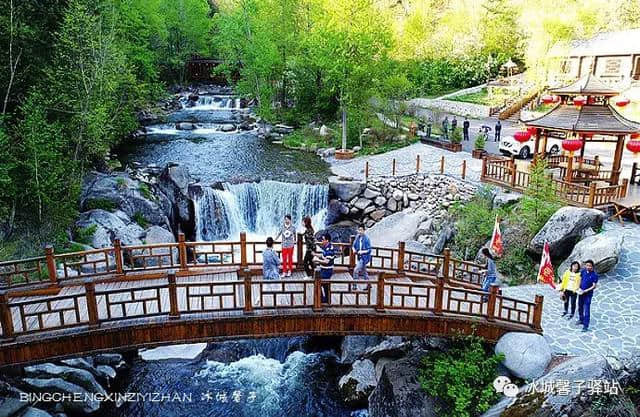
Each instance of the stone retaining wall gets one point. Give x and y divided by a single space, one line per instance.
476 111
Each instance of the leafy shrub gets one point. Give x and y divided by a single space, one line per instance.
85 234
474 223
456 135
140 219
481 141
101 203
462 376
145 191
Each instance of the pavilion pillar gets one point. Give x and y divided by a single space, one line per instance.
544 144
617 161
569 173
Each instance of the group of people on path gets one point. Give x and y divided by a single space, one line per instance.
576 284
482 130
323 258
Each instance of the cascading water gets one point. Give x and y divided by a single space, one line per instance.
217 102
257 208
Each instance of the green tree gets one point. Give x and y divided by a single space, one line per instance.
539 201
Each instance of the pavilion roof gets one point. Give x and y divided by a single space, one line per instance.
589 118
587 85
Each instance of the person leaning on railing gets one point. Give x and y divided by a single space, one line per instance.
325 260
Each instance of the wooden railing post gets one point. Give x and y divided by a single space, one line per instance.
625 187
491 305
483 173
401 255
300 252
243 250
442 165
51 264
366 171
464 169
537 313
6 321
417 163
117 252
174 313
92 304
393 167
182 251
445 264
592 194
317 291
248 298
512 168
380 292
352 255
439 301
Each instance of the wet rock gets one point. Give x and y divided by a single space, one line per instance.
86 405
353 347
391 347
356 386
185 126
12 406
109 227
345 189
227 127
110 359
35 412
80 377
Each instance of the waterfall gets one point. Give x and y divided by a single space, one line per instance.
257 208
217 102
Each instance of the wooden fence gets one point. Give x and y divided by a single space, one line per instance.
503 171
420 167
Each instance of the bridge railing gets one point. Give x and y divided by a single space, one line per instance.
192 295
119 260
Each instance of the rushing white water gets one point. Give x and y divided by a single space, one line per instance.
257 208
216 102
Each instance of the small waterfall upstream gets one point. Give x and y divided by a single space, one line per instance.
213 102
257 208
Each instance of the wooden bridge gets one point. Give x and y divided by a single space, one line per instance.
61 305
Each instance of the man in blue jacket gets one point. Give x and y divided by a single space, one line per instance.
362 249
325 261
588 283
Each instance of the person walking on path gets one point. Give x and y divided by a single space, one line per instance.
445 127
270 261
310 245
454 124
569 288
289 239
465 129
362 248
498 129
588 283
325 260
490 276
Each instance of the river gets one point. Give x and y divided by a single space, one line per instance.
257 182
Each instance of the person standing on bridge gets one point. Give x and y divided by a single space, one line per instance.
491 274
289 238
325 260
270 262
310 245
362 249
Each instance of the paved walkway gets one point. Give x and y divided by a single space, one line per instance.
406 163
615 309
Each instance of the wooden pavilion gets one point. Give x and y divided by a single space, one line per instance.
594 121
583 112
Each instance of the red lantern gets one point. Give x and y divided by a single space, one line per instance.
547 99
555 98
522 136
579 101
634 135
532 130
634 146
621 102
571 145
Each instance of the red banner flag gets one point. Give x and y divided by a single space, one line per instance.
496 240
545 274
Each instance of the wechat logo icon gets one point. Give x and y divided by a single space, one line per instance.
503 385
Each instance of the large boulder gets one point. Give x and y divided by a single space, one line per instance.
353 347
564 229
119 191
110 226
336 210
12 406
85 405
345 189
398 393
390 347
603 249
157 235
395 228
526 355
80 377
534 400
35 412
173 184
356 386
505 198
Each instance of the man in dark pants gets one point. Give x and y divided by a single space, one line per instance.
465 129
325 260
454 124
588 283
445 127
498 129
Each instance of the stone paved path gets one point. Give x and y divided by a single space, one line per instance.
615 309
406 163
